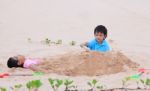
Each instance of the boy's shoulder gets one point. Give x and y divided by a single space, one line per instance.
92 41
104 42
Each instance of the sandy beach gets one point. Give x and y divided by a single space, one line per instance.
25 24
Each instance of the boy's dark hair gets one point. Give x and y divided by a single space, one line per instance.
12 62
102 29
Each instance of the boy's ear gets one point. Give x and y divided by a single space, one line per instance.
105 37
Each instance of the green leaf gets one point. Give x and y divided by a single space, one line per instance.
47 41
29 85
67 83
72 43
18 86
51 81
94 81
3 89
89 84
99 87
142 81
59 42
70 82
37 83
33 84
59 82
127 78
147 81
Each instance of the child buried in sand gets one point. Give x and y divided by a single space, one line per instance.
98 43
21 61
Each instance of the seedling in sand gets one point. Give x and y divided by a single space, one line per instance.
3 89
94 85
124 82
68 84
134 78
47 41
72 43
16 87
146 83
55 83
34 85
59 42
29 40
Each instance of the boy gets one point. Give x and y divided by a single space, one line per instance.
98 43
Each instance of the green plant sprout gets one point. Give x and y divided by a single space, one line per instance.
135 78
59 42
47 41
29 40
34 85
146 83
16 87
55 83
72 43
94 85
68 84
3 89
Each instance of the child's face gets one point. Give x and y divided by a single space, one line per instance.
20 59
99 37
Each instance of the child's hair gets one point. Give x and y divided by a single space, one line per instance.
102 29
12 62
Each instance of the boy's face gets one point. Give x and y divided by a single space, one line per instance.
99 37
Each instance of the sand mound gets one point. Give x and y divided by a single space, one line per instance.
89 63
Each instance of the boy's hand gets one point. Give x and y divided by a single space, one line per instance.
85 48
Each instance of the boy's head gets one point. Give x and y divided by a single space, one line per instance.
100 33
16 61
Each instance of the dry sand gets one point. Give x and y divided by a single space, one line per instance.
128 32
89 64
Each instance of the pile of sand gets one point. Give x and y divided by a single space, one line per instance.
89 63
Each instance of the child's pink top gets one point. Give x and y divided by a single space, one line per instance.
29 62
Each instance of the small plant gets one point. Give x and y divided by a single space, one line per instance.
55 83
124 82
29 40
68 84
72 43
146 83
16 87
59 42
3 89
134 78
94 85
47 41
34 85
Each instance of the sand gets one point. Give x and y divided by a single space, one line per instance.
89 64
128 34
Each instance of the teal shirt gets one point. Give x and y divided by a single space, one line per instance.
94 45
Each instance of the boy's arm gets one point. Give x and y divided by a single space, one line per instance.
84 46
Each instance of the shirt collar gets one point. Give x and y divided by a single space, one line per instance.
103 42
